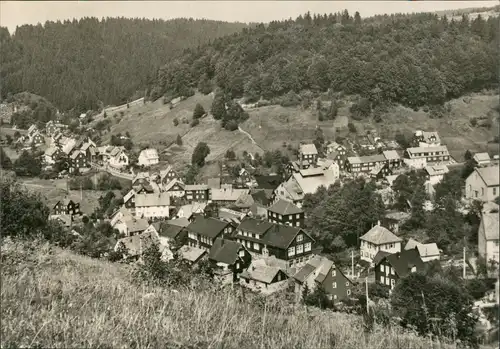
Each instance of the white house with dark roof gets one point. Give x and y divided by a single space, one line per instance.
419 157
175 188
483 184
154 205
426 139
148 157
378 239
427 252
308 153
435 173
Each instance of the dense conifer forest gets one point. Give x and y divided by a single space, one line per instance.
87 63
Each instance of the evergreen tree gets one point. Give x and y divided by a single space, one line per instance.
198 111
218 109
200 152
178 140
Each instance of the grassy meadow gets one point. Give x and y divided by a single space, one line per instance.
54 298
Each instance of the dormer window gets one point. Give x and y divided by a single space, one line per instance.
300 238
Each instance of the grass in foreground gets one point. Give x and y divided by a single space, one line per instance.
53 298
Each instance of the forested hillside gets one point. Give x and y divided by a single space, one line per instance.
83 63
414 60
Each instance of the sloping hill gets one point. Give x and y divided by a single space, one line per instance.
73 301
88 63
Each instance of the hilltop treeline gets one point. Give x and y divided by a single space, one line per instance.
85 63
415 60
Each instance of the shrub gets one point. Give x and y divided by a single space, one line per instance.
176 122
351 127
473 122
195 122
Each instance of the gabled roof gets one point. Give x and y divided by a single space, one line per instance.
194 207
244 201
75 154
261 272
309 185
303 273
180 222
284 207
436 170
391 154
254 226
379 235
136 244
311 171
411 244
376 170
169 230
281 236
208 227
51 151
189 187
149 154
426 250
402 262
479 157
136 224
153 199
192 254
428 135
490 175
417 150
129 195
379 256
173 182
224 194
323 270
259 196
318 264
163 173
308 149
398 216
268 182
141 175
225 251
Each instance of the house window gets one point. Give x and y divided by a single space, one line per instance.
334 272
237 265
382 279
307 247
334 285
482 191
347 283
393 282
241 253
494 191
300 249
300 237
297 216
297 224
290 218
382 268
256 246
334 296
413 269
348 292
387 281
291 251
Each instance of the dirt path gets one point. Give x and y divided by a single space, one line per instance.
249 136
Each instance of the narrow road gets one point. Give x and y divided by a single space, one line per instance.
113 172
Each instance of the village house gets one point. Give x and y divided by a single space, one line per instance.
155 205
435 173
175 188
335 147
51 155
305 182
37 138
196 192
140 178
394 220
392 267
322 272
169 236
226 194
482 159
419 157
50 128
148 157
67 144
244 203
67 207
214 183
488 233
268 184
229 259
380 171
285 212
167 175
78 160
134 246
65 220
483 184
130 226
378 239
427 252
121 214
265 276
246 178
260 203
308 154
262 239
32 130
90 150
146 188
202 232
392 158
118 158
192 255
231 216
191 211
424 139
129 200
359 164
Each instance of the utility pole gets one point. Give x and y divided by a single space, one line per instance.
367 300
352 264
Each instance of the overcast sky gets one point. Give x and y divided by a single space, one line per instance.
14 13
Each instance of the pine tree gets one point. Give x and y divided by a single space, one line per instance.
218 109
178 141
198 111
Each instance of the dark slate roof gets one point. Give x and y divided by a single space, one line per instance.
224 251
268 182
281 236
285 208
170 230
303 273
379 256
209 227
255 226
402 262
